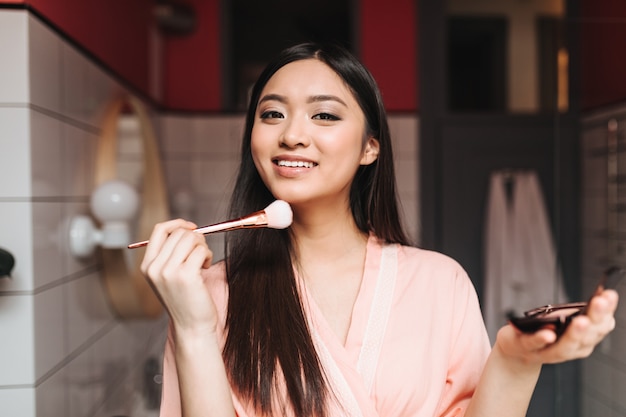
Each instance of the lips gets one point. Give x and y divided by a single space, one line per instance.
293 161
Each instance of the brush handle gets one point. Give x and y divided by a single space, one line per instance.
254 220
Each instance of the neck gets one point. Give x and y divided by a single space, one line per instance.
328 233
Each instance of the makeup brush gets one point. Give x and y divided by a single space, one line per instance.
277 215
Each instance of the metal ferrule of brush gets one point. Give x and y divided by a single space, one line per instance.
258 219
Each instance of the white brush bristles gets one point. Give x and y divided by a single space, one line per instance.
279 215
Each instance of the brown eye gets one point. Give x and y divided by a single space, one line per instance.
272 114
326 116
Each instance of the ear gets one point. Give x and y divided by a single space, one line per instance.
370 153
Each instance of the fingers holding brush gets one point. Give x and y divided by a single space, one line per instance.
173 263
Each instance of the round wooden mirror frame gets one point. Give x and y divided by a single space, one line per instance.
129 293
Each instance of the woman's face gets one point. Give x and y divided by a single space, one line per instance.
308 137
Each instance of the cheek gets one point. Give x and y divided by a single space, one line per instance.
256 145
260 155
348 145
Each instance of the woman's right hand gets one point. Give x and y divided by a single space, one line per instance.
173 264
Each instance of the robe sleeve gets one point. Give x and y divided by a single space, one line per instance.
468 352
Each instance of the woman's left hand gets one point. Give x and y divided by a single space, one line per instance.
511 372
579 340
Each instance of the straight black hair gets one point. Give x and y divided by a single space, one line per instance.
268 339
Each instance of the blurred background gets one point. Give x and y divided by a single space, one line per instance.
474 89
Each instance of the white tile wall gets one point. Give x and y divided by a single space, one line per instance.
63 352
604 373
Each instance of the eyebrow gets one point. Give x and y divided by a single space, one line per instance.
311 99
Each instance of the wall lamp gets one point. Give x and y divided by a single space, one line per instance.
113 203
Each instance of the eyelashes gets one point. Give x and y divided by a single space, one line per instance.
273 114
326 116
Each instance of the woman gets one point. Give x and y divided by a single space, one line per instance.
337 315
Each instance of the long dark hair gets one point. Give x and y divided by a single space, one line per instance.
268 340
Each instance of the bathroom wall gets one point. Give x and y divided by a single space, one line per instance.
63 353
604 244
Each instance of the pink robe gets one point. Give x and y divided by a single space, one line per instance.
416 345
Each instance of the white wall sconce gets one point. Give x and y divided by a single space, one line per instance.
114 203
127 290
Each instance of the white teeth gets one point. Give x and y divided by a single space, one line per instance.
295 164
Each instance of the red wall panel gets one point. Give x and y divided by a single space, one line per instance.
603 62
192 77
118 33
389 49
114 31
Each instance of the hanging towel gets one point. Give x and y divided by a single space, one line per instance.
521 267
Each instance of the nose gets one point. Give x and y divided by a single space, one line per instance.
295 133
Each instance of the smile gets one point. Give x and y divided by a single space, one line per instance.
295 164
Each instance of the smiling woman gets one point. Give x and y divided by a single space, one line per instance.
338 315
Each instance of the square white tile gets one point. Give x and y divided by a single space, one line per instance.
50 330
81 384
18 402
409 211
46 144
16 236
14 52
406 176
113 354
78 161
15 149
48 240
17 350
87 309
51 396
176 134
218 135
214 177
100 90
74 83
178 177
44 66
404 131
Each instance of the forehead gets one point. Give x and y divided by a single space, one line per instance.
307 77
